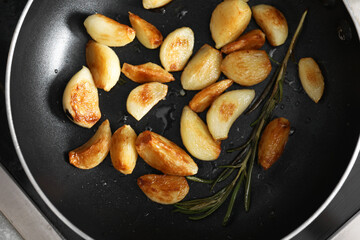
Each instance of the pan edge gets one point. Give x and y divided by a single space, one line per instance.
12 128
350 6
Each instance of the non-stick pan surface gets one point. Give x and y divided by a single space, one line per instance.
104 204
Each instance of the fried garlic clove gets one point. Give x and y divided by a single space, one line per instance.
81 100
150 4
148 72
146 33
144 97
163 189
122 150
94 151
226 109
272 142
203 99
311 78
228 21
272 22
164 155
247 67
104 65
253 39
108 31
196 137
177 49
203 69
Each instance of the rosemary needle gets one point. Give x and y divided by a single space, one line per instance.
245 160
200 180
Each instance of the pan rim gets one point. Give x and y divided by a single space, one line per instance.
68 222
12 127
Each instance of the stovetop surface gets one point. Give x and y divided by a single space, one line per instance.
344 206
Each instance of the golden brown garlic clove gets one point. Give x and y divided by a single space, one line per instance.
81 100
164 189
273 141
164 155
94 151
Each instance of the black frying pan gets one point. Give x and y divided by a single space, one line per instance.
102 203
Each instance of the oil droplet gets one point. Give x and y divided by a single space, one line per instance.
260 176
176 92
282 106
272 213
295 85
182 92
172 115
137 49
344 31
161 10
182 14
171 92
287 99
166 115
297 103
292 131
56 70
271 52
148 128
123 119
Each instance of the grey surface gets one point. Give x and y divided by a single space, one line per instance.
23 215
349 231
7 230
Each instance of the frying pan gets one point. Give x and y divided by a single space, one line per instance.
49 47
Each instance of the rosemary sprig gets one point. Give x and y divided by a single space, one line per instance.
245 160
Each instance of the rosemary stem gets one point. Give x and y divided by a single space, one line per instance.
232 199
264 94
